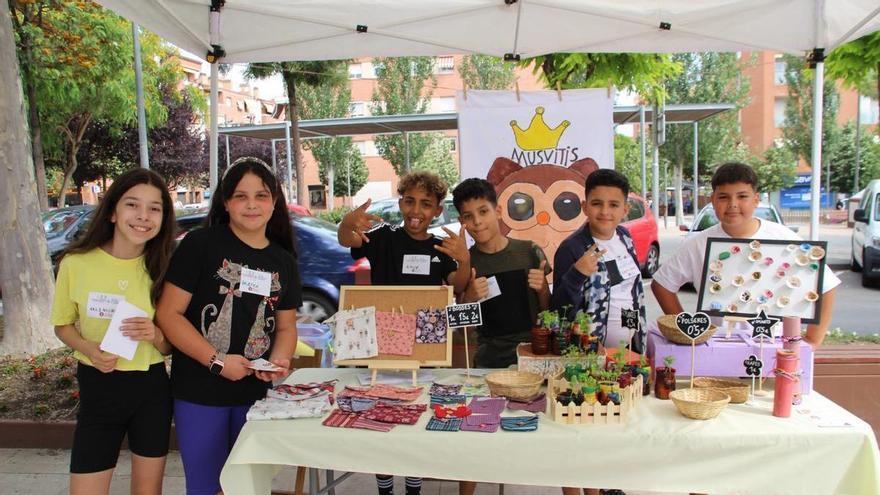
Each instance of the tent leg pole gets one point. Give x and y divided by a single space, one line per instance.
816 161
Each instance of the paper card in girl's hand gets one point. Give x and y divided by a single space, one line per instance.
396 333
354 333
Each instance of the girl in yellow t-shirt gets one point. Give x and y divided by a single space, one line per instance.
122 257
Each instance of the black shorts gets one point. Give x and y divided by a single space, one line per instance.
112 404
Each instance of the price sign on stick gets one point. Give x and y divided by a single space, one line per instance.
753 367
464 315
762 327
693 326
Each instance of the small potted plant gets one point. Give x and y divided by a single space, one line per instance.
645 371
664 381
589 387
541 335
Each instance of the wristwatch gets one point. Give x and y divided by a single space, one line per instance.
215 365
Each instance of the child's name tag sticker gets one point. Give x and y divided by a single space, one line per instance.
494 289
416 264
255 282
628 268
102 305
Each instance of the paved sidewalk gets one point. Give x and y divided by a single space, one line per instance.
44 472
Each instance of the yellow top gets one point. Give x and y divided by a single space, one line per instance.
87 290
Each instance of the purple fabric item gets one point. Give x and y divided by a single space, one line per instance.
482 419
483 427
537 405
488 405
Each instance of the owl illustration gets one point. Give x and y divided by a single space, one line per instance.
540 203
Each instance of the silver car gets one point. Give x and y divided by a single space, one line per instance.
706 218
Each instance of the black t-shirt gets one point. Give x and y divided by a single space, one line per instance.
209 264
398 259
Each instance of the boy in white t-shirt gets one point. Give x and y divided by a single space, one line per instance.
734 197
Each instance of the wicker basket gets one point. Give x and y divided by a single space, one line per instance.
518 385
699 403
737 390
670 330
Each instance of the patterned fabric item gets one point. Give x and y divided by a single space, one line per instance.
270 408
300 391
475 390
396 333
482 419
340 419
369 424
430 326
354 333
536 405
400 414
440 389
382 391
356 404
447 400
520 423
436 424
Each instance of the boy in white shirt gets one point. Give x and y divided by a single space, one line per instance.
734 197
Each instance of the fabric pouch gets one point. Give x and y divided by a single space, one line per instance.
431 326
437 424
396 333
520 423
354 333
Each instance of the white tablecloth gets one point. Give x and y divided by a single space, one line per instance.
744 450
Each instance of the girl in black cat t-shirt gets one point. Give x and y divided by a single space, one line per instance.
230 297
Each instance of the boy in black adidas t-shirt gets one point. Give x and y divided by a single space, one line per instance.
408 254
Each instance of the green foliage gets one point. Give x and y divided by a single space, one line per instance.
628 161
838 336
669 361
331 100
857 64
335 215
401 90
705 78
643 73
797 131
437 158
842 157
486 72
777 169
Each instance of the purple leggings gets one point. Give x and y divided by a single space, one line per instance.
206 435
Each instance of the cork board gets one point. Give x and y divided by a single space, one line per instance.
412 298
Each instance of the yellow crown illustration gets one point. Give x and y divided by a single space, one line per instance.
538 136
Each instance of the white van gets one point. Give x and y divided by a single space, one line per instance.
866 235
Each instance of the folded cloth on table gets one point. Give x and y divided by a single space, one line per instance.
445 400
369 424
438 389
340 419
450 424
398 414
301 391
356 404
489 427
270 408
482 419
520 423
538 404
475 390
488 405
382 391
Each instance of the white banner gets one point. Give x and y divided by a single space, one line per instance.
537 152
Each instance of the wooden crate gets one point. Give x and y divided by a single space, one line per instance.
590 414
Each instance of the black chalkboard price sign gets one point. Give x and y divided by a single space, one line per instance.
753 365
693 325
464 315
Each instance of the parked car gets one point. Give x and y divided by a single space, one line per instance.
643 227
389 211
324 265
63 226
299 210
866 235
706 218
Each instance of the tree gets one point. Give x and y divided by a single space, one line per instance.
294 75
241 147
401 91
776 170
437 159
333 155
704 78
486 72
643 73
797 131
628 161
857 64
842 158
25 273
86 75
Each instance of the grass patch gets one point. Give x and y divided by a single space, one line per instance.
838 336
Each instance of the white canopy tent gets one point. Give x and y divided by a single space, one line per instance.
278 30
